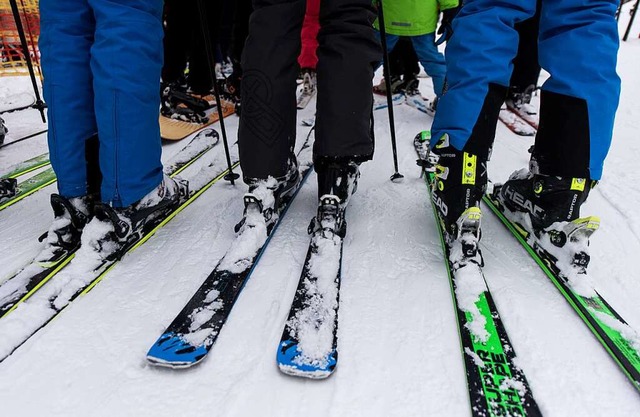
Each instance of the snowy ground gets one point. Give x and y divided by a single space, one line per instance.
399 348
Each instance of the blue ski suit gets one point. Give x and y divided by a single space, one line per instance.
101 61
578 45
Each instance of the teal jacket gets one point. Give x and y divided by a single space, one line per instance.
413 17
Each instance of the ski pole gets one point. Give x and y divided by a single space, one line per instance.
633 16
231 176
387 82
39 104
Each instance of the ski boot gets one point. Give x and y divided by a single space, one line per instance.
546 211
337 182
127 225
381 88
266 197
180 104
460 182
8 188
63 237
410 87
520 103
414 98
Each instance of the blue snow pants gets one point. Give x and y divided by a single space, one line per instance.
431 59
578 45
101 61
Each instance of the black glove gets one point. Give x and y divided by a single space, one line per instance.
445 25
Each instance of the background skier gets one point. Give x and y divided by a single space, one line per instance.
418 20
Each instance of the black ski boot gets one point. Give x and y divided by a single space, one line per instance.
410 87
337 182
381 88
266 197
8 188
180 104
129 224
546 210
461 179
546 199
63 237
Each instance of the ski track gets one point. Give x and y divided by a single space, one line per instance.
399 352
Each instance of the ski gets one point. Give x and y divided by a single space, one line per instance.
614 334
29 186
309 344
194 331
82 276
497 387
420 103
381 103
27 166
27 281
515 123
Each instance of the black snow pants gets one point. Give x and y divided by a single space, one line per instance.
347 53
526 68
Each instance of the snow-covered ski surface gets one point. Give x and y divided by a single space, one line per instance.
398 342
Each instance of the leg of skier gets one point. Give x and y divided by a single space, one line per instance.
431 59
526 69
478 73
65 42
348 47
126 61
266 136
578 105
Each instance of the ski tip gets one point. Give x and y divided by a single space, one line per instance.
290 363
172 351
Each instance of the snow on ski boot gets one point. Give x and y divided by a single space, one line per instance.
114 230
8 188
546 210
63 237
329 222
460 181
520 103
309 83
339 179
464 246
337 182
265 198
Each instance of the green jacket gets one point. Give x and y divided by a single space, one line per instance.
413 17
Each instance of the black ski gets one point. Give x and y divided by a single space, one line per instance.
27 281
193 332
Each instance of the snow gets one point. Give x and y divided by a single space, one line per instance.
398 343
313 325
